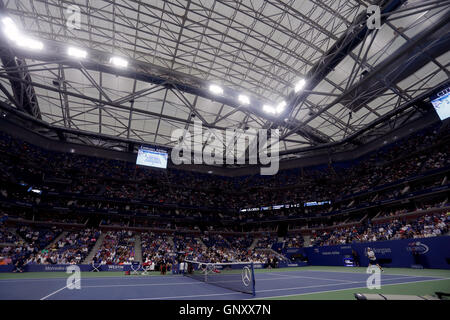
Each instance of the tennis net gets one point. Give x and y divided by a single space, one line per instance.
236 276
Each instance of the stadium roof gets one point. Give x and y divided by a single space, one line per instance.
354 76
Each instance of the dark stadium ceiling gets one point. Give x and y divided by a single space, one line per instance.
355 77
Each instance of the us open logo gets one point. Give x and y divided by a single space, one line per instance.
417 247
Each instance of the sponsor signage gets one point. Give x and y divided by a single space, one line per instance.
417 247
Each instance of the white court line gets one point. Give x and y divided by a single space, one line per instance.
325 291
149 284
177 275
330 285
284 289
92 278
171 284
176 297
143 285
387 274
290 277
349 281
59 290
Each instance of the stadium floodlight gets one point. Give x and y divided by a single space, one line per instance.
77 53
300 84
281 106
215 89
29 43
119 62
244 99
10 29
269 109
12 33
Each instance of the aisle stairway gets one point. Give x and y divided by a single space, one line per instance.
137 248
254 243
95 249
227 242
201 243
278 255
61 236
170 241
306 240
18 236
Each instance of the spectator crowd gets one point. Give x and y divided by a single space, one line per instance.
50 196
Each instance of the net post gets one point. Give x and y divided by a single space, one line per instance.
253 280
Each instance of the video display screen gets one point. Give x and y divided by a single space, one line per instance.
152 157
442 105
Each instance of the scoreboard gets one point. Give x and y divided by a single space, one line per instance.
152 157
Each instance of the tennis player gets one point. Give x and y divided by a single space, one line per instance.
373 259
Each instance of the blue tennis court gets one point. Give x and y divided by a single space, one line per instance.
268 284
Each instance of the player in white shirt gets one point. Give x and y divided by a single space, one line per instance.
373 259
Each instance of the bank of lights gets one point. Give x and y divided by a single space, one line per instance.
275 110
216 89
13 33
280 107
300 84
77 53
244 99
119 62
269 109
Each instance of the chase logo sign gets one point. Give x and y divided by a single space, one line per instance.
417 247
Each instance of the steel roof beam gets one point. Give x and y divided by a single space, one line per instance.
338 51
100 102
24 94
378 74
374 123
